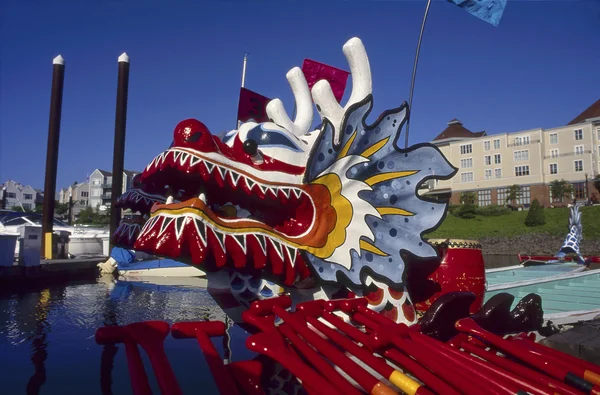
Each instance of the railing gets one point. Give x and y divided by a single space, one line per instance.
106 196
568 154
107 185
523 143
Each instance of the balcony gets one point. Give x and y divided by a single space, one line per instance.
108 185
568 154
106 196
522 144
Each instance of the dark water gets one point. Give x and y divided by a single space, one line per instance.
47 341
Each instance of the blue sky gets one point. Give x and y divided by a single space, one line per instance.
539 68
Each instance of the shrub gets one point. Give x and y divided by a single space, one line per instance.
466 211
492 211
536 215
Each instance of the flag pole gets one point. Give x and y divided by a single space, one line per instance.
243 81
414 74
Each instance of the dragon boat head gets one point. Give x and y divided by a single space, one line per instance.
138 201
336 204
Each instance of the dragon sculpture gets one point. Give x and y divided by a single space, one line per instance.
277 207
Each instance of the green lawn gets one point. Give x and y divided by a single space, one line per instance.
513 224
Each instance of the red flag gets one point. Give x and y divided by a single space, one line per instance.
337 78
252 106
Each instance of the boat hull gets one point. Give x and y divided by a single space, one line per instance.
158 268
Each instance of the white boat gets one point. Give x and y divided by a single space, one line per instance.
134 264
83 240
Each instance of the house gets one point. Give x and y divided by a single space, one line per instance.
80 195
19 195
532 159
100 187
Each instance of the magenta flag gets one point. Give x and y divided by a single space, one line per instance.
315 71
252 106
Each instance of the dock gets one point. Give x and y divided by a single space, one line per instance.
50 270
581 341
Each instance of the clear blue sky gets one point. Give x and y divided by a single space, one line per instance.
539 68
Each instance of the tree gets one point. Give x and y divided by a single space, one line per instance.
61 208
514 193
468 198
536 215
560 189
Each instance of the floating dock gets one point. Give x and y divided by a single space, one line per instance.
50 270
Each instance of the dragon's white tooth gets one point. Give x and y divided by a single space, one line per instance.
220 238
166 222
234 177
297 192
200 230
241 240
262 188
291 254
262 242
285 192
194 161
179 225
202 197
184 157
273 191
222 172
277 247
209 166
249 183
176 155
169 200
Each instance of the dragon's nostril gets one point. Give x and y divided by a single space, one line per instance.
194 137
250 147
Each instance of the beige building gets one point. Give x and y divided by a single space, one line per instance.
488 165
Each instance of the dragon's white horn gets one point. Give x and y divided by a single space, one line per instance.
304 106
362 86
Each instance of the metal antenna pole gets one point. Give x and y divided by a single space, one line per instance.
414 74
243 81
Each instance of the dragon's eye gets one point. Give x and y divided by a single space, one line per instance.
271 138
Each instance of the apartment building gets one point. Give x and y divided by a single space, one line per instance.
489 164
100 188
19 195
80 194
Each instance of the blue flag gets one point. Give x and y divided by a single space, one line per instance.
488 10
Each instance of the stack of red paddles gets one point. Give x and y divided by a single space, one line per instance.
380 358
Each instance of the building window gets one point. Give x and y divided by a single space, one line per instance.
521 171
553 168
466 163
488 174
524 140
554 152
598 133
524 196
27 206
579 150
487 160
553 138
579 190
484 197
498 173
497 159
27 196
11 195
96 182
502 195
466 177
579 134
521 155
497 144
84 194
466 149
579 165
486 145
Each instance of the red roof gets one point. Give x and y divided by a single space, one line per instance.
592 111
456 129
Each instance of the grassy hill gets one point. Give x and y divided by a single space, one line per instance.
513 224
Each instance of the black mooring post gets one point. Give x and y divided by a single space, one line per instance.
4 193
71 207
58 77
119 149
